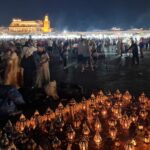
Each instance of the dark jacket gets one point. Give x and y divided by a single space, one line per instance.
134 48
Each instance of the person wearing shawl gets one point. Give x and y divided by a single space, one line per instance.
41 60
29 69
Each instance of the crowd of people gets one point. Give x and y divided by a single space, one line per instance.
26 62
25 66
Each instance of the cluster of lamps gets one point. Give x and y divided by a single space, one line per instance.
86 125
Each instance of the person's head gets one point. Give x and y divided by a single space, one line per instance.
30 43
141 39
13 48
26 44
132 41
40 47
8 51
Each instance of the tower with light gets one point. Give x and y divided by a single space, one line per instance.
46 25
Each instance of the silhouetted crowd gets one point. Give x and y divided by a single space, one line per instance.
26 62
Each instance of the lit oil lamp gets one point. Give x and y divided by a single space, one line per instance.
143 106
110 95
101 97
119 103
32 123
125 122
146 139
83 144
59 124
127 97
117 143
70 134
104 112
84 105
119 116
77 122
113 133
59 110
48 114
134 107
95 112
56 143
116 110
60 107
93 98
140 127
143 114
133 142
117 95
143 98
129 146
28 123
37 117
134 117
90 113
85 130
72 104
108 104
97 125
36 113
97 139
20 125
112 122
66 113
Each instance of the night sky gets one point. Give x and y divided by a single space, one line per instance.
79 14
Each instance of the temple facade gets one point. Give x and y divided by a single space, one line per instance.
21 26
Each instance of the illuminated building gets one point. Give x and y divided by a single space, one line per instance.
20 26
46 25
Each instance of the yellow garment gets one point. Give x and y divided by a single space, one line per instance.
13 73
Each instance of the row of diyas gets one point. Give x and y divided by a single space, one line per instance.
89 122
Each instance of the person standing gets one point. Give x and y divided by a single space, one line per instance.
141 45
87 58
13 72
80 55
50 47
29 69
41 60
135 55
65 55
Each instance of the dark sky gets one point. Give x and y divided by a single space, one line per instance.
80 14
